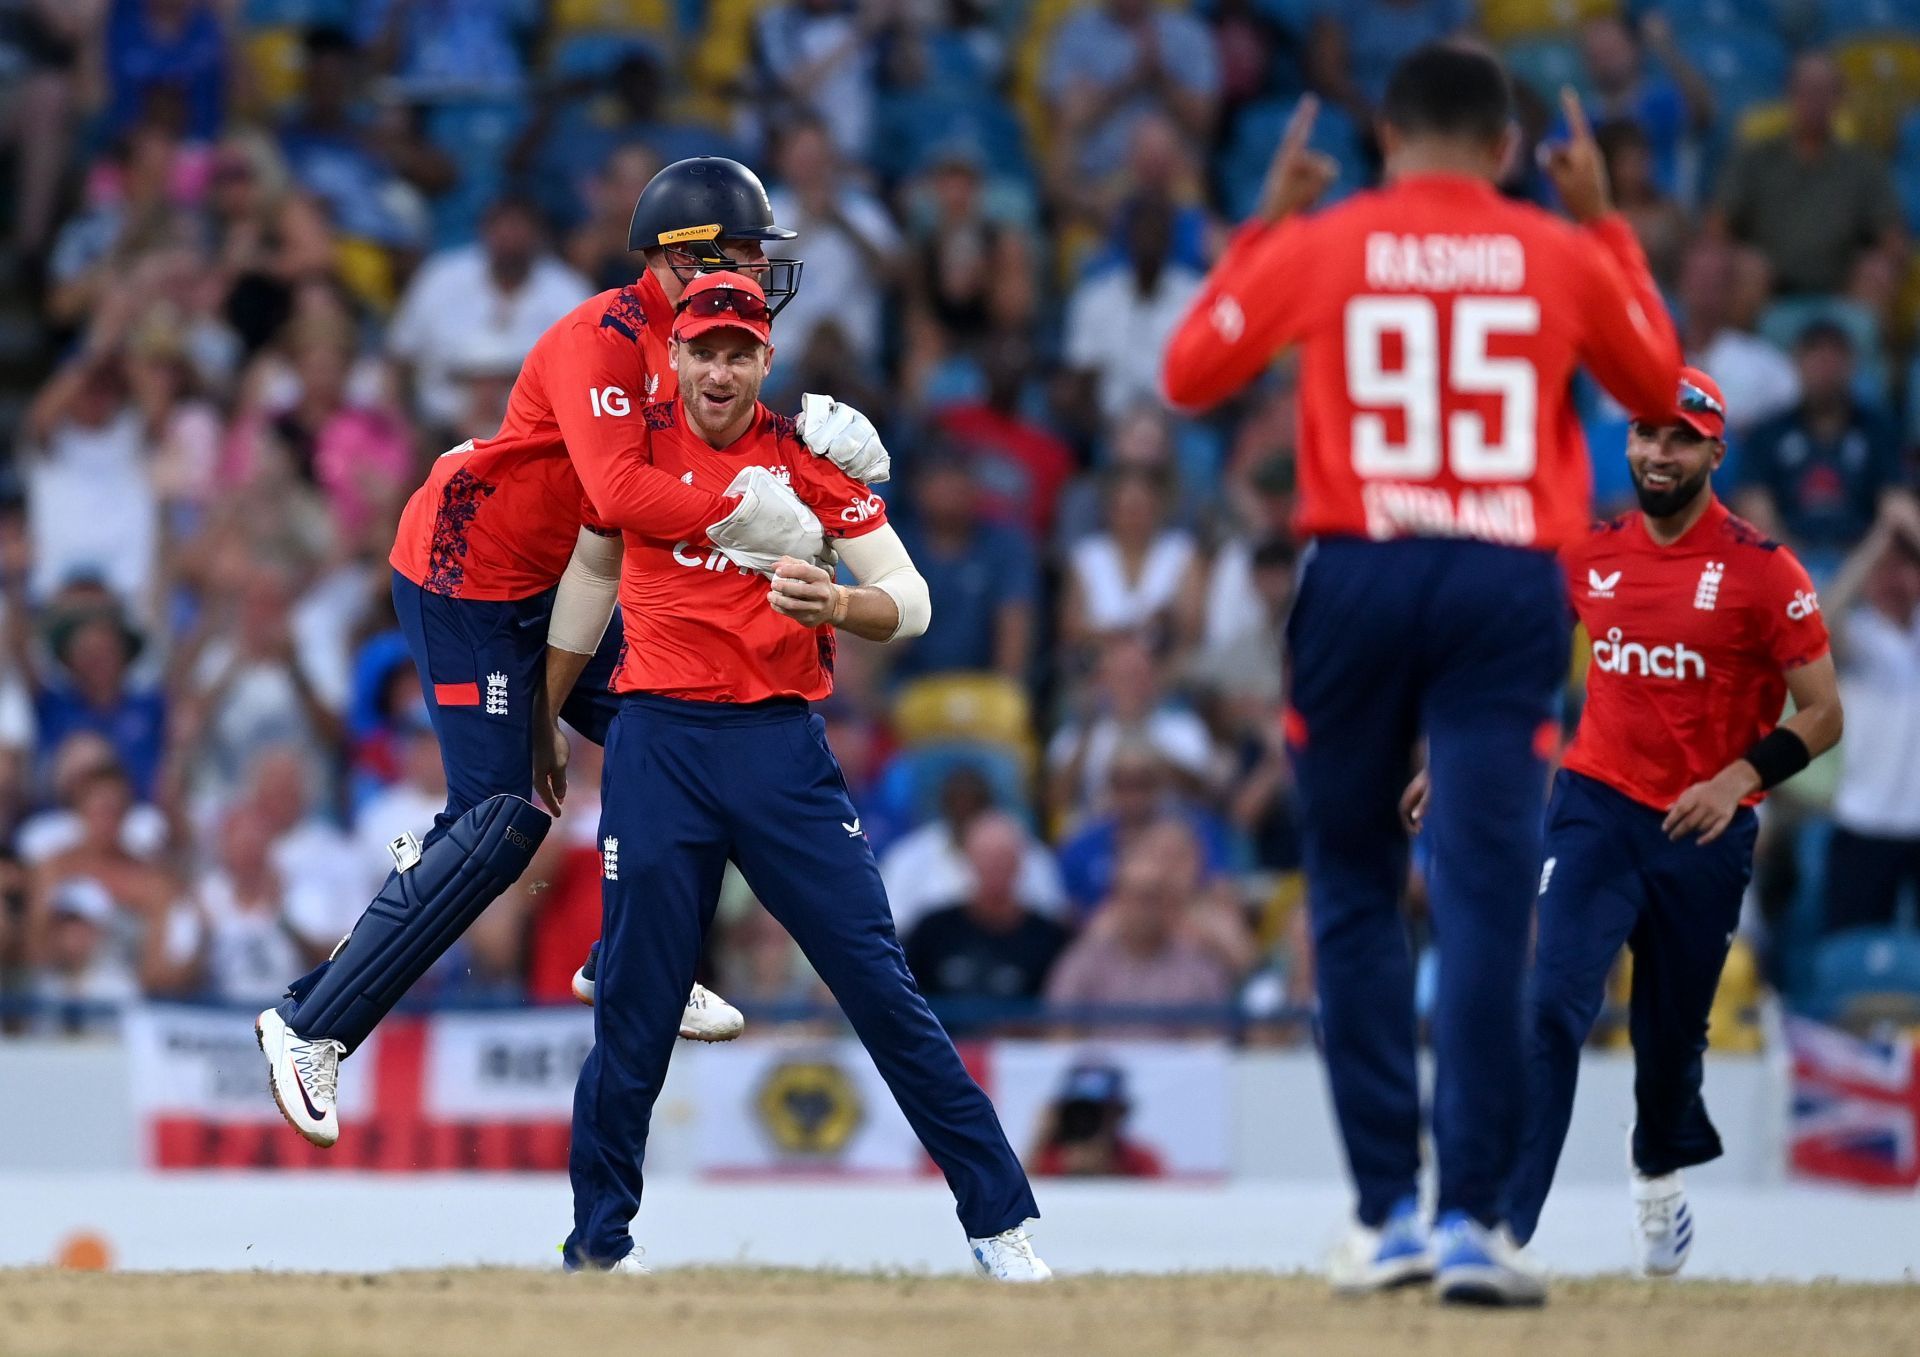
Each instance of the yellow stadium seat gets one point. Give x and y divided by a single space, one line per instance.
1883 82
1505 20
1734 1023
576 16
982 708
273 59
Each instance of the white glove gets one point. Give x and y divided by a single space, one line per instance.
769 522
844 437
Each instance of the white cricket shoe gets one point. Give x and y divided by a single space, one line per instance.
303 1076
1663 1223
1399 1253
707 1017
1477 1266
1009 1257
632 1266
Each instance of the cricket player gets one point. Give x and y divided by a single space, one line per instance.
1441 466
1700 627
481 549
715 755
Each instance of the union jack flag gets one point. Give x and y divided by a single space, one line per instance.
1856 1107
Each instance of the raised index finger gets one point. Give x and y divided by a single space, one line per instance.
1578 129
1299 126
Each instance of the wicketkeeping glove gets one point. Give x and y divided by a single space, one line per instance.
769 522
844 437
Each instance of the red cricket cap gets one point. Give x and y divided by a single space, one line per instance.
1699 404
721 301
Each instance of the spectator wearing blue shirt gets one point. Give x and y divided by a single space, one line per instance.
1111 64
1668 104
92 688
170 47
578 127
1138 798
356 162
1816 474
981 577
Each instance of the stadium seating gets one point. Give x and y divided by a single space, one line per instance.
1505 20
1249 151
1841 19
1544 64
1883 83
976 708
1782 323
1867 975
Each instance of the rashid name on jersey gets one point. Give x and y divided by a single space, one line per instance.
699 627
1691 644
498 517
1440 325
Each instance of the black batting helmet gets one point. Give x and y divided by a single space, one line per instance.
692 205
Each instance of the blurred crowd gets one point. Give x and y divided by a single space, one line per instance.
263 259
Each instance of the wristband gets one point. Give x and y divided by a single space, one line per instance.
842 601
1777 756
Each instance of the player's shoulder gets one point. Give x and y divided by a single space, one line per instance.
1740 535
1602 536
658 416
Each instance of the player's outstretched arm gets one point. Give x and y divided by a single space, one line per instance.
1628 339
1250 308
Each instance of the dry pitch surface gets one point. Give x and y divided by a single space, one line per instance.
726 1313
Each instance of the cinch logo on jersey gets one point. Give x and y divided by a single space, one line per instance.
1805 604
1445 263
610 858
1615 655
861 510
1499 513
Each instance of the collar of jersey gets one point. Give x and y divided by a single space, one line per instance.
1716 514
1441 181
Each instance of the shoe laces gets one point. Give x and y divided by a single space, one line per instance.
319 1069
1015 1241
1657 1214
700 997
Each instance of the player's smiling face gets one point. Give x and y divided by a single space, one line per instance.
1671 464
720 374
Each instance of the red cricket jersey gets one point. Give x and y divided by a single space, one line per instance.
1691 646
498 517
1440 325
699 627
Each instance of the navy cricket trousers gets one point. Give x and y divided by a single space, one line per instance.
482 667
1466 643
688 785
1611 876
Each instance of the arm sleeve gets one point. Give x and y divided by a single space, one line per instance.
588 589
879 559
609 450
1249 309
1796 633
1627 337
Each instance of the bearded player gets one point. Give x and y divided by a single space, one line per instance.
1441 466
715 756
1700 627
481 549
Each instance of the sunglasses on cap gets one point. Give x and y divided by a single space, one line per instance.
1694 401
724 301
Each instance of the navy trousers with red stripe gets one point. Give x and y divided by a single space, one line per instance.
1465 643
482 666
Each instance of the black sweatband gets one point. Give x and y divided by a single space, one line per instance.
1777 756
